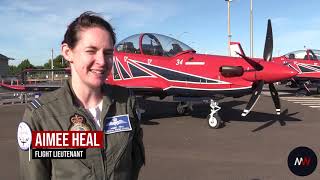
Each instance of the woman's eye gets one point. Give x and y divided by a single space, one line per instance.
90 51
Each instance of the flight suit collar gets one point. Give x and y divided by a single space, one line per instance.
72 99
108 97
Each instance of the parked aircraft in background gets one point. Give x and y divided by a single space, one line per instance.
38 80
157 65
307 63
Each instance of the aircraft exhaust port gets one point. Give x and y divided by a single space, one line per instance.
231 71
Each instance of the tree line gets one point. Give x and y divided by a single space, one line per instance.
58 62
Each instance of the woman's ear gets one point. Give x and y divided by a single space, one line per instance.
66 52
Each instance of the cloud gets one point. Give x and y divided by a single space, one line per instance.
280 21
21 6
298 39
32 28
297 33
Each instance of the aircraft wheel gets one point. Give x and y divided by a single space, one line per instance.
180 109
302 92
214 121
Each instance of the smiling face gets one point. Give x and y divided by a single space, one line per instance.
91 58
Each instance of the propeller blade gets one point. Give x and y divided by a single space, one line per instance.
275 98
253 63
254 98
268 46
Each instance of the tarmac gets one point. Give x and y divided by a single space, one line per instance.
184 147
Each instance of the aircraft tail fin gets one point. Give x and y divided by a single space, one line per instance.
235 47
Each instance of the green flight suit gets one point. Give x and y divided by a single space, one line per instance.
122 157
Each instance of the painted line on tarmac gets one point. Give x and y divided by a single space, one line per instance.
313 102
315 106
310 101
280 93
301 98
305 101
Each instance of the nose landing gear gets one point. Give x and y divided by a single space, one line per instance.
214 120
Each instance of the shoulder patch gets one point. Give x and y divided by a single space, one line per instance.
36 103
24 136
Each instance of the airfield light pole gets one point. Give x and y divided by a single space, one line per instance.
52 64
229 32
251 30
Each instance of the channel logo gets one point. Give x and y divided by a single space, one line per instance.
302 161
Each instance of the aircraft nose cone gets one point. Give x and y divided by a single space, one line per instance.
276 72
286 72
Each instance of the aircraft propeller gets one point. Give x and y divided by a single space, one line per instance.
254 64
267 56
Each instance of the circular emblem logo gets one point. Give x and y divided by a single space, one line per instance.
302 161
79 127
24 136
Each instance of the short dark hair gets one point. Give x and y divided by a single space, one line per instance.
87 19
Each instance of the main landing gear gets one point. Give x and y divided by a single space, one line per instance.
304 91
184 108
214 120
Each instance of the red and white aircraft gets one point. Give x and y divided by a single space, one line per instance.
307 63
157 65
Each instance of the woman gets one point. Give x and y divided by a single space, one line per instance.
88 47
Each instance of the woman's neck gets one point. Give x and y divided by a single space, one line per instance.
87 97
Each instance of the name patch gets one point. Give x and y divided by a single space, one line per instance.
118 123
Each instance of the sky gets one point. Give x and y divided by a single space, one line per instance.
31 28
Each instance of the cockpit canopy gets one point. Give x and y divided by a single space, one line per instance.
152 44
308 54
